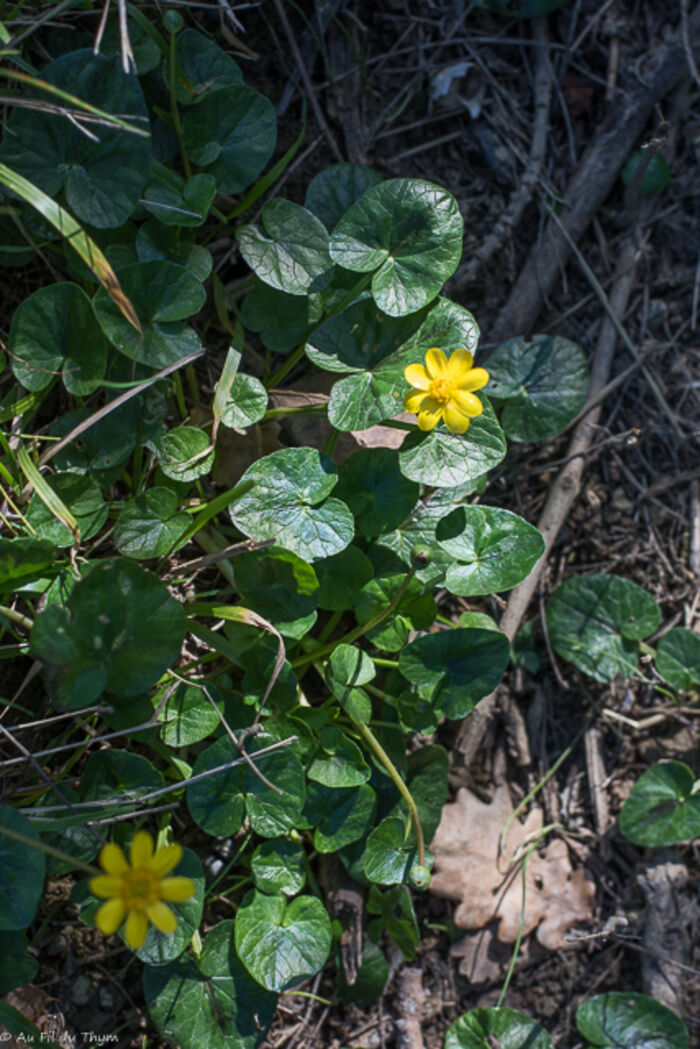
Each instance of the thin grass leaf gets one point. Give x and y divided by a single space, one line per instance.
75 235
46 493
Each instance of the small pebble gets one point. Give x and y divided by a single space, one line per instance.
213 865
108 997
57 945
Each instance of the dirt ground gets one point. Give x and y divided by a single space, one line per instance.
504 113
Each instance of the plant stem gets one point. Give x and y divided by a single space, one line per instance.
16 617
374 745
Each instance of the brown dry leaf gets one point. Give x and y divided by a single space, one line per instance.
40 1009
468 870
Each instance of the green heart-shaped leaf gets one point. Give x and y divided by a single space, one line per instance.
390 853
456 667
663 807
231 133
210 1001
246 402
289 503
185 453
339 815
188 716
408 233
282 320
443 459
204 64
103 175
627 1020
336 188
17 966
160 948
55 330
484 1028
110 773
217 802
163 295
181 205
82 497
290 250
594 620
278 866
22 872
376 491
150 525
543 383
272 813
678 658
282 943
495 549
97 640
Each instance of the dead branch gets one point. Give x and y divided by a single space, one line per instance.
410 1000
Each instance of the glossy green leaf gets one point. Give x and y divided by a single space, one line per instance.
282 943
543 383
209 1001
495 549
160 948
627 1020
117 632
150 525
17 966
246 402
21 558
484 1028
444 459
290 503
408 233
396 916
337 188
184 206
341 577
82 497
678 658
163 295
373 350
185 453
282 320
290 250
270 812
204 64
371 978
22 871
339 815
426 775
415 610
456 667
54 331
112 773
279 586
146 52
338 762
390 853
217 803
593 622
278 866
102 177
158 243
376 491
230 133
663 807
348 667
188 716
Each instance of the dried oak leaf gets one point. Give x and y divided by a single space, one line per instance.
468 869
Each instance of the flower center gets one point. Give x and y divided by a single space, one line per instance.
441 389
140 888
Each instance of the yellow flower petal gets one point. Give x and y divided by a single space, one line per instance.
136 929
473 380
112 859
436 363
417 376
455 420
106 885
141 849
162 917
467 403
177 890
110 916
459 363
166 860
430 414
413 400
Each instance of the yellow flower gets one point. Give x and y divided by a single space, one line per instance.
444 389
136 889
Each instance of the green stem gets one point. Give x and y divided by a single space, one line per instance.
353 635
330 626
390 664
16 617
300 409
41 846
174 112
374 745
